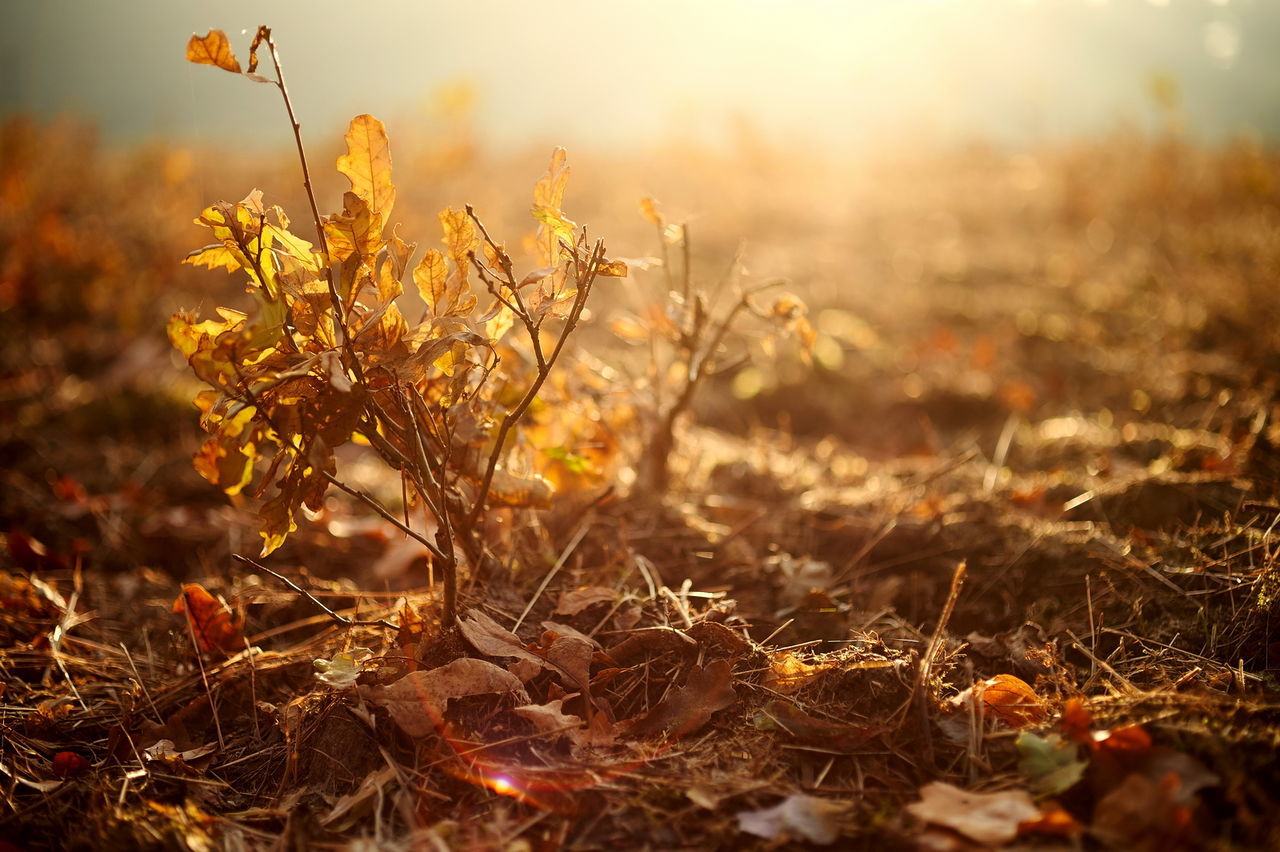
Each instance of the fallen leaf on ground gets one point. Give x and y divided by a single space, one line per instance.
985 817
418 700
1012 701
575 601
550 717
492 639
809 817
650 642
788 673
689 707
212 621
342 671
1052 764
800 726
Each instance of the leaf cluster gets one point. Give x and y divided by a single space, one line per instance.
326 356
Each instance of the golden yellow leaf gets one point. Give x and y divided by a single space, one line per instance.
445 295
357 230
649 209
367 164
460 238
612 269
212 49
549 191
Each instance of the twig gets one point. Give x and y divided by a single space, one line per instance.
386 515
341 619
339 325
931 650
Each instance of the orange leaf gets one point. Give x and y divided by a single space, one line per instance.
1012 701
649 209
1054 821
211 620
212 49
1077 721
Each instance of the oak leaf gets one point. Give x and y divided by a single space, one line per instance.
213 49
687 708
367 164
418 700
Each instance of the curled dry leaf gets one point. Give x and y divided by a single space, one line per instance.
1012 701
213 49
788 673
985 817
798 815
1006 698
418 700
689 707
215 627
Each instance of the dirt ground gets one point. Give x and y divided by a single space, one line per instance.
1010 533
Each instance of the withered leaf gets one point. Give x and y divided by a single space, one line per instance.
212 49
809 730
418 700
213 623
810 817
1012 701
492 639
991 818
651 641
367 164
575 601
689 707
612 269
788 673
549 716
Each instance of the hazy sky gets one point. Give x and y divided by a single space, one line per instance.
610 72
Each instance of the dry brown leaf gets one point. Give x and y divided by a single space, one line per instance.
575 601
418 700
549 716
651 641
810 730
492 639
985 817
212 49
689 707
